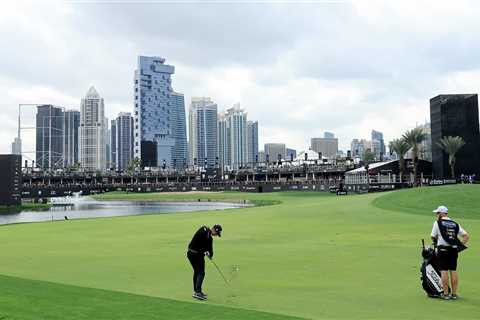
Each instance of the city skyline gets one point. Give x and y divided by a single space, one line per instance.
342 93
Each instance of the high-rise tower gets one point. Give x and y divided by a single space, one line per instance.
203 132
92 132
159 113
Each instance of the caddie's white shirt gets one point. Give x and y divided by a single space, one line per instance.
436 233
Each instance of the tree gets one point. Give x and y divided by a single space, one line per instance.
451 145
368 157
414 138
400 147
133 164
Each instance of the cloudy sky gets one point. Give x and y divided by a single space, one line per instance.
298 67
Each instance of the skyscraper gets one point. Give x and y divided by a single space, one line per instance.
252 141
236 122
455 115
92 132
327 146
108 147
356 148
71 125
113 143
274 151
203 148
378 145
160 136
425 152
49 137
122 135
223 141
180 154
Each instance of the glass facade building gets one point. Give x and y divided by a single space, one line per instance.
327 146
159 114
180 152
455 115
49 137
222 138
275 151
236 123
92 132
252 142
113 143
378 145
71 126
122 136
203 148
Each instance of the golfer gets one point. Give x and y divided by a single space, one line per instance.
444 234
201 246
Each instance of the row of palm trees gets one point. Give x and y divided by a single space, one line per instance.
412 140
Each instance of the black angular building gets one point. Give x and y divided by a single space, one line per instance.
11 178
455 115
149 154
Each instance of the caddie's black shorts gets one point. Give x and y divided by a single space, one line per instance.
447 258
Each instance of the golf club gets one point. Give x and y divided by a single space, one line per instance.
218 269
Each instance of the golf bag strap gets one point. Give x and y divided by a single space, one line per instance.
451 236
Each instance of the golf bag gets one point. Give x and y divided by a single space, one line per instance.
430 273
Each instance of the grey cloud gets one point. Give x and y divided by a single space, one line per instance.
209 34
363 58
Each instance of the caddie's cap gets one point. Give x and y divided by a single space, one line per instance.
441 209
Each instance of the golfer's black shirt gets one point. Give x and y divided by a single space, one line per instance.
202 241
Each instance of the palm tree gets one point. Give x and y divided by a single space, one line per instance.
451 145
400 147
414 138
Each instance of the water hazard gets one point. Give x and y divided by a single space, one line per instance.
89 208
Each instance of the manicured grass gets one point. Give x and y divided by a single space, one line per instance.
462 200
35 300
314 256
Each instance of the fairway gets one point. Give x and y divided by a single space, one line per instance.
299 255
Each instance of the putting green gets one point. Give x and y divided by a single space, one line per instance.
314 255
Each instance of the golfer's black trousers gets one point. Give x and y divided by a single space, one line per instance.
197 261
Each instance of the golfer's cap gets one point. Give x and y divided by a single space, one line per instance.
218 229
441 209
